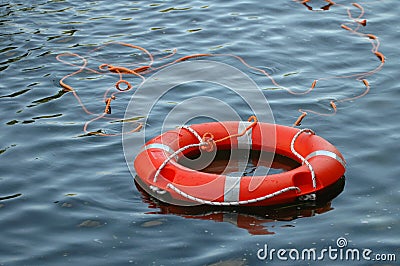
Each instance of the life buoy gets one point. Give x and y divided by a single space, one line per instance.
160 174
253 219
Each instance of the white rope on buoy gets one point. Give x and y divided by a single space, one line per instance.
298 155
232 203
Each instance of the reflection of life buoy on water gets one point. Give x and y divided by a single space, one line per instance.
253 219
160 173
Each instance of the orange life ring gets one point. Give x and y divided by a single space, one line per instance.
160 174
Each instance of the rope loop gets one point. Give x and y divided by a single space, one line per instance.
103 66
127 83
208 143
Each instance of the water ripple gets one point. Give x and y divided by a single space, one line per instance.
65 199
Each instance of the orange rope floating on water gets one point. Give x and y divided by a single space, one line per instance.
359 76
119 70
122 85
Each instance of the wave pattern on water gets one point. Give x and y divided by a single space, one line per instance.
66 199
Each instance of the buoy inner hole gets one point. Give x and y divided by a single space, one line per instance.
243 163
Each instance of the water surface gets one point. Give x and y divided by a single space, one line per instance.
70 200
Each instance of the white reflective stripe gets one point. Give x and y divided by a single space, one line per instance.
230 217
232 188
160 146
242 164
329 154
245 141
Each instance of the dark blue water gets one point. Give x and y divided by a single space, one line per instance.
68 199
